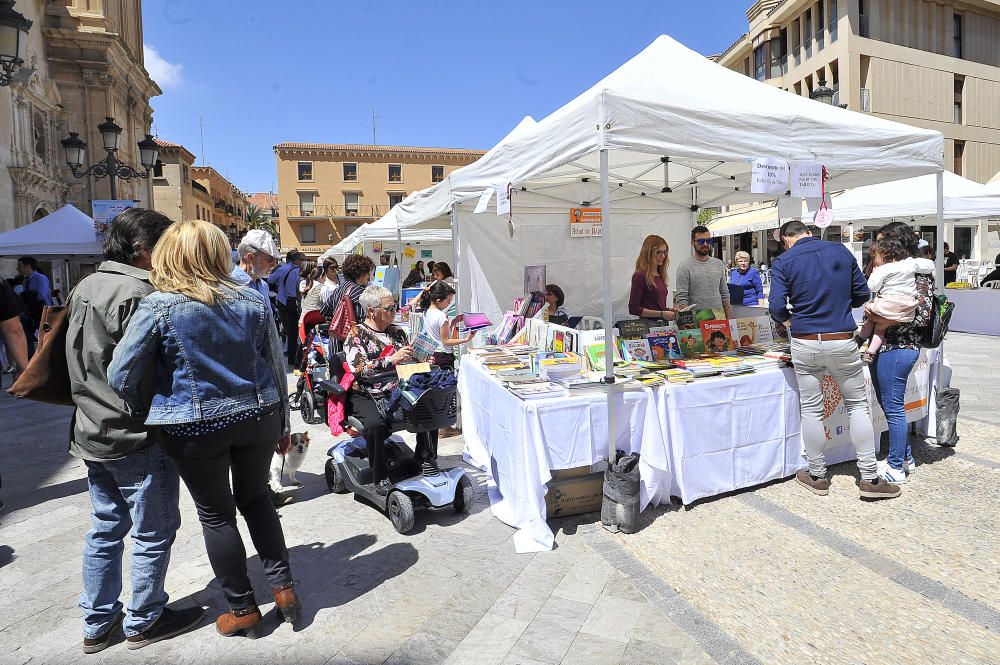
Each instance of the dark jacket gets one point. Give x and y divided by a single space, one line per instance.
822 282
100 309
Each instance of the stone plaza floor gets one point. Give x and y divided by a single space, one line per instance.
768 575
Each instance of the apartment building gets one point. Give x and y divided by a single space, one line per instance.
929 63
327 191
229 204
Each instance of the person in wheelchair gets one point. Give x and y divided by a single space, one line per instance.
376 346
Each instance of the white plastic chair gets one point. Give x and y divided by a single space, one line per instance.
591 323
992 284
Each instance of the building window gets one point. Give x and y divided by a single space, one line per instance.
760 62
959 89
352 201
307 203
833 20
187 174
820 24
158 169
351 228
305 171
959 154
862 19
964 244
779 61
796 41
957 22
307 234
395 198
350 172
395 173
807 32
437 173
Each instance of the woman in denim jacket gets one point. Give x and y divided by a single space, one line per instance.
220 398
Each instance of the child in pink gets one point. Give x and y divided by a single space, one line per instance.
893 285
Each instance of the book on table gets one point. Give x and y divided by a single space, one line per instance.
475 321
633 329
423 347
664 346
539 390
716 336
690 341
636 349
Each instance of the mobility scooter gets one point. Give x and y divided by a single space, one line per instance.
348 468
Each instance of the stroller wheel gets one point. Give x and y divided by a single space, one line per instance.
464 495
307 406
334 478
400 509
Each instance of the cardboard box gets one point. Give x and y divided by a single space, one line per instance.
574 496
578 471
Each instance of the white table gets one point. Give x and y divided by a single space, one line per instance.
976 310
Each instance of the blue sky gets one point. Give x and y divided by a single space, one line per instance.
448 74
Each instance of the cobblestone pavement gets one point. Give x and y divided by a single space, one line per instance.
772 575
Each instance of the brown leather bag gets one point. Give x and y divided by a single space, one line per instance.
46 378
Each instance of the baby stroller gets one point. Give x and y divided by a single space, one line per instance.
410 489
309 398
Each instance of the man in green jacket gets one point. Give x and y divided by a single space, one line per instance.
133 487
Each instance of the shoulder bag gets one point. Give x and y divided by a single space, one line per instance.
46 378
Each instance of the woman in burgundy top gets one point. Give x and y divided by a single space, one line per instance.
648 298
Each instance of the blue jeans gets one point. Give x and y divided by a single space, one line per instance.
889 380
138 493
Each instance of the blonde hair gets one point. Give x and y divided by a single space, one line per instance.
193 258
646 263
742 255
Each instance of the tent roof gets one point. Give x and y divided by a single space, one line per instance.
683 129
66 232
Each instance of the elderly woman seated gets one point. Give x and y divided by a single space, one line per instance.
375 346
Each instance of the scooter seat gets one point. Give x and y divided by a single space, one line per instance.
331 387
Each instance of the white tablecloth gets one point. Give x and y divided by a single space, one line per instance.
976 310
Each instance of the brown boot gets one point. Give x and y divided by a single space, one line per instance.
236 622
287 602
878 489
819 486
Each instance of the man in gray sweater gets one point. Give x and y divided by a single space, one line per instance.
701 279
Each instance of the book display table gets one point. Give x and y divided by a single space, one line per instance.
695 440
976 310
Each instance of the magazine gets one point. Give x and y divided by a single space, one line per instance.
717 336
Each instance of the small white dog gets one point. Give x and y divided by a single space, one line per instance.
288 462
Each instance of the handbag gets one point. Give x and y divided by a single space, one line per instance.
343 320
934 332
46 378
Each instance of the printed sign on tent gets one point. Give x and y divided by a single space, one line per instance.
585 223
427 253
104 212
484 201
409 252
768 176
503 200
807 180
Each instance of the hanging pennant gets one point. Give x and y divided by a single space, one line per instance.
807 180
484 201
824 216
768 176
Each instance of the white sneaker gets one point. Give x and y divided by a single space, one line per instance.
909 466
889 474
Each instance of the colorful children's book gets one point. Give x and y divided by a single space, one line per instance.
686 321
716 336
636 350
690 342
664 346
745 331
765 329
595 356
423 347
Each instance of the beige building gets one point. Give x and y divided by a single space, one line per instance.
229 204
929 63
325 192
83 62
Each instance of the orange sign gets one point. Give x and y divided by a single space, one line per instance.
585 223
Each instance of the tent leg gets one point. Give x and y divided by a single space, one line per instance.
399 259
939 249
609 354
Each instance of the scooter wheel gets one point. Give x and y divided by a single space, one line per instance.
307 406
334 477
463 495
400 509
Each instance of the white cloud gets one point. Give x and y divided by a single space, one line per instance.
166 74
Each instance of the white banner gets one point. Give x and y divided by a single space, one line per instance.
768 176
503 200
807 180
484 201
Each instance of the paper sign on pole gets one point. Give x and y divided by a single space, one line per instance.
768 176
484 201
807 180
503 200
104 212
585 223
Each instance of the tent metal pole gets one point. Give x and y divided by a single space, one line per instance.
609 353
399 259
939 269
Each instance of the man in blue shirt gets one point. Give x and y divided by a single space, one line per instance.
821 283
36 293
286 280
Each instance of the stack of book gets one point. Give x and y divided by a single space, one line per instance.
537 390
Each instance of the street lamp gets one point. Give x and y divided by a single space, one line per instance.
111 167
822 93
13 40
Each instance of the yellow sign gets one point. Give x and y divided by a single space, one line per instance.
585 223
409 252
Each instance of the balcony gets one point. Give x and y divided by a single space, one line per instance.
866 100
334 211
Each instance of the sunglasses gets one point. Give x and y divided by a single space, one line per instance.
703 241
391 309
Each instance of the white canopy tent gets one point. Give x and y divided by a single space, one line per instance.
665 134
65 234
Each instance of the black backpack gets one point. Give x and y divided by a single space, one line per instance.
932 334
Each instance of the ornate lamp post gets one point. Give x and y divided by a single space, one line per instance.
110 167
822 93
13 40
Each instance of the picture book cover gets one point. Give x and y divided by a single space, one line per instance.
690 342
708 314
662 330
534 280
558 341
716 336
595 355
637 349
765 329
664 346
747 332
686 321
633 329
423 347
